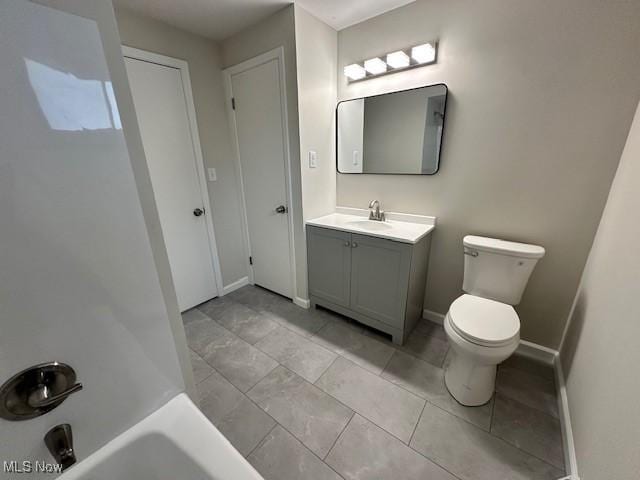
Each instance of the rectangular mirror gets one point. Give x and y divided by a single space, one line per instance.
394 133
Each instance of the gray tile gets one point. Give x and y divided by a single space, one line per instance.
216 307
366 452
201 369
520 362
305 322
379 400
427 381
430 348
240 363
426 327
532 390
245 426
349 342
192 315
425 342
217 396
307 359
200 330
473 454
281 457
529 429
246 323
257 298
314 417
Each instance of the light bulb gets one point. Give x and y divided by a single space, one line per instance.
424 53
398 59
375 66
354 71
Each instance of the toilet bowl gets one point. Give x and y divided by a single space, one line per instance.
482 333
482 326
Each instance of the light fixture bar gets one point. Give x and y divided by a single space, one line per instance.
400 60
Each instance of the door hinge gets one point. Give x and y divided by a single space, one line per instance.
250 260
233 103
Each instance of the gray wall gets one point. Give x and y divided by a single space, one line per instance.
279 31
316 57
203 57
541 97
600 353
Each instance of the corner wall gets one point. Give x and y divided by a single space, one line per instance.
316 54
600 353
540 98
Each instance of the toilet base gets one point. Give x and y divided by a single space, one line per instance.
470 384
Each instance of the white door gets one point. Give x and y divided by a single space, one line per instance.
262 149
159 98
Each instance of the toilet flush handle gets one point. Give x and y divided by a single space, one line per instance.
471 253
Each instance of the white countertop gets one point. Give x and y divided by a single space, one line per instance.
399 227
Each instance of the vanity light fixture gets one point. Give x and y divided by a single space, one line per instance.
412 57
398 59
355 71
375 66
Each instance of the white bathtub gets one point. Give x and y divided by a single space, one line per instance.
176 442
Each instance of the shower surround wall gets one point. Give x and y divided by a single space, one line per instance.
84 273
541 97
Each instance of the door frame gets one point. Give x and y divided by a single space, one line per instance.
183 67
278 55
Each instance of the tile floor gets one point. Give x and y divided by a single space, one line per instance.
307 394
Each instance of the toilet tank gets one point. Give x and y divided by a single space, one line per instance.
498 269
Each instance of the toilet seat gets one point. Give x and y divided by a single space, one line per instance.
484 322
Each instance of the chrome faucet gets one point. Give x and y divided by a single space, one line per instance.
374 211
59 441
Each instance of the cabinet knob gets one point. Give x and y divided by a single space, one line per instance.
354 245
347 244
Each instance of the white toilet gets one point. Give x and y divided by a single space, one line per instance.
481 325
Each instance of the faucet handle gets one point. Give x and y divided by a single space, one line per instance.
41 397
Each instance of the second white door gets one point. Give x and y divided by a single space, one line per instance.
259 124
163 115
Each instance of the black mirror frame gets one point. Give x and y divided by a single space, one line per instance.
446 97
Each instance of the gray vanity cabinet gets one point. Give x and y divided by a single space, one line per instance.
380 278
329 258
375 281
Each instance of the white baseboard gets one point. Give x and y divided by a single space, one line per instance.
433 316
570 460
235 285
537 352
301 302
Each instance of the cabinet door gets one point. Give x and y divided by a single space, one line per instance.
380 278
329 263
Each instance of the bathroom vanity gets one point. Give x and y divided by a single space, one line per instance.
372 271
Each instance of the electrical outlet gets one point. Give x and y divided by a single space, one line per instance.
212 174
313 159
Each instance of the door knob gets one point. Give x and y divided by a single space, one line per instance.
281 209
198 211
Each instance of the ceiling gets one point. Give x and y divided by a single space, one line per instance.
219 19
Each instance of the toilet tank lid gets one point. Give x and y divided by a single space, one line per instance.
504 247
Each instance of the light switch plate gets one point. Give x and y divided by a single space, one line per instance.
313 159
212 174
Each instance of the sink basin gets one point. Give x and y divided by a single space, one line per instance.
370 225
